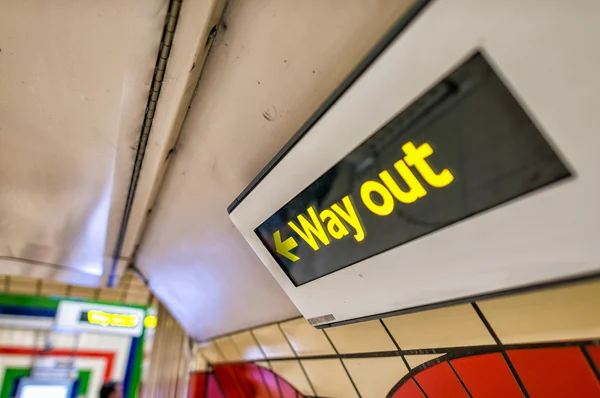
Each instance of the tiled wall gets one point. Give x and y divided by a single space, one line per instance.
131 290
544 343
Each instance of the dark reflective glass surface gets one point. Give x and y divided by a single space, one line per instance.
462 148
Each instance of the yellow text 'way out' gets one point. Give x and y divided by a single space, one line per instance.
318 229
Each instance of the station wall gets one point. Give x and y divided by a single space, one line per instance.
543 343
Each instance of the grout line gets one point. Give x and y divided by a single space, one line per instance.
248 329
206 378
208 364
218 383
503 349
264 354
448 351
210 371
590 361
125 290
237 349
258 345
462 383
402 357
312 388
150 298
390 334
220 352
262 376
276 380
343 364
487 325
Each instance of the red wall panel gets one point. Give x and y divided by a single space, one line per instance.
197 385
439 381
488 376
408 390
555 372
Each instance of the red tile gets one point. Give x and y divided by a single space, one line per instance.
439 381
232 381
245 381
594 352
555 372
270 382
197 385
254 372
287 391
212 388
487 376
408 390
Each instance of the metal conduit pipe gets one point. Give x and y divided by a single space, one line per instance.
159 74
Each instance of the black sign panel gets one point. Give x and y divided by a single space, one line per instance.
462 148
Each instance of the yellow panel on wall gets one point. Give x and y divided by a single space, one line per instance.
198 363
273 342
305 339
360 337
53 288
263 364
211 352
228 349
246 346
291 372
445 327
137 297
83 292
329 378
375 377
564 313
22 285
114 295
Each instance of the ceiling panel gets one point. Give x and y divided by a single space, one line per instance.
74 82
273 62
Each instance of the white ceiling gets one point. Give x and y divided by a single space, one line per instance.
266 74
74 79
74 83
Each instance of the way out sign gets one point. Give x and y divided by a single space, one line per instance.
462 148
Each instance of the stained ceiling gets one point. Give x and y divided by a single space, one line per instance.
77 80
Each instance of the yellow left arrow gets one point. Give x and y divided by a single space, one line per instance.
284 247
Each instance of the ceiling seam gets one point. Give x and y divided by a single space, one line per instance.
155 89
214 25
